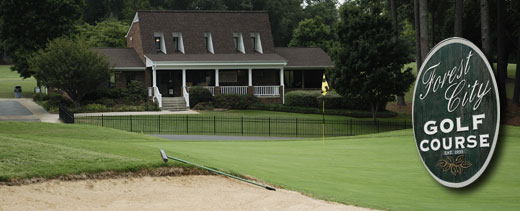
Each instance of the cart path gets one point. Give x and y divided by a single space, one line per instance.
24 109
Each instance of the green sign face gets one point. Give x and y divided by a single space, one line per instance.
456 112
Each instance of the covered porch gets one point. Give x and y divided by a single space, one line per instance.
263 81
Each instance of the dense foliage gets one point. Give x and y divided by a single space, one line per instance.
108 33
71 66
198 95
231 101
26 26
368 62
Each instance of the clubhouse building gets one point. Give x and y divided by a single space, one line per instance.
226 52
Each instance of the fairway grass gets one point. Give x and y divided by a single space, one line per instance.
10 79
381 171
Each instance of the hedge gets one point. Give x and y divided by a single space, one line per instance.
232 101
309 110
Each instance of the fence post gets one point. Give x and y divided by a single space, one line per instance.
296 126
242 125
102 121
159 126
269 126
187 123
131 124
350 127
214 126
377 123
404 124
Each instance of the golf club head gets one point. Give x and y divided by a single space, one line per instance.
163 155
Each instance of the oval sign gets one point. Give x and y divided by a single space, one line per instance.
456 112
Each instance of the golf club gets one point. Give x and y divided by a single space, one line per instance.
166 157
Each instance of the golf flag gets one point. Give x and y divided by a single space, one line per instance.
324 86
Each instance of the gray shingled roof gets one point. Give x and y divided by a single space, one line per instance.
236 57
305 57
121 57
193 25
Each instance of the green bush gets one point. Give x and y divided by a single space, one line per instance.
309 110
232 101
135 91
198 95
52 99
204 106
151 107
302 99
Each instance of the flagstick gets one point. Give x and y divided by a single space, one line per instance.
323 123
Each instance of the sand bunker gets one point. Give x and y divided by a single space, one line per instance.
157 193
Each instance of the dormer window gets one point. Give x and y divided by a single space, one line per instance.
209 42
178 44
159 42
238 41
256 44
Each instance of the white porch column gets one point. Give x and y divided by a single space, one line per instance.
250 77
281 76
154 77
183 77
216 78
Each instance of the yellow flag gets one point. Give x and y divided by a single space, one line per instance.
324 86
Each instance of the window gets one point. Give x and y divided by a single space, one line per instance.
178 46
209 42
253 43
256 44
228 76
238 42
158 43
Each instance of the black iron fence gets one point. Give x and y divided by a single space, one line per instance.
195 124
65 115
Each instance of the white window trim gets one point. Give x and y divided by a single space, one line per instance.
210 42
258 42
163 45
181 43
240 42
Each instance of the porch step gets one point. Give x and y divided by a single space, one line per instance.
173 104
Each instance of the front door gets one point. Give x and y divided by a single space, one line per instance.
169 82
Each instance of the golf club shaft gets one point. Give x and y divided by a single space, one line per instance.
223 173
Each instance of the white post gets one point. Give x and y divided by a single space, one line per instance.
183 78
250 77
282 85
154 77
281 76
216 77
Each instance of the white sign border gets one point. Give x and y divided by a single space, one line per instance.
490 155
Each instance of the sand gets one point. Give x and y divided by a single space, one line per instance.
157 193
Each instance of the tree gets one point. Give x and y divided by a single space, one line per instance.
459 15
326 9
26 26
502 54
284 17
94 11
485 29
395 25
70 65
417 34
312 33
369 63
423 25
108 33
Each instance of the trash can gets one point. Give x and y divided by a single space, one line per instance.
17 92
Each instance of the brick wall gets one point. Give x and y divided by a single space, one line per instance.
133 40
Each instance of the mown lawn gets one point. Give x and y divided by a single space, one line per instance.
380 171
10 79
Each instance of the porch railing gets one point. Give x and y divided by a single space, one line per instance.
267 90
210 88
186 96
239 90
157 96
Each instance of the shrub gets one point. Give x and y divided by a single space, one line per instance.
302 98
232 101
198 95
204 106
308 110
151 107
52 99
135 91
94 108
